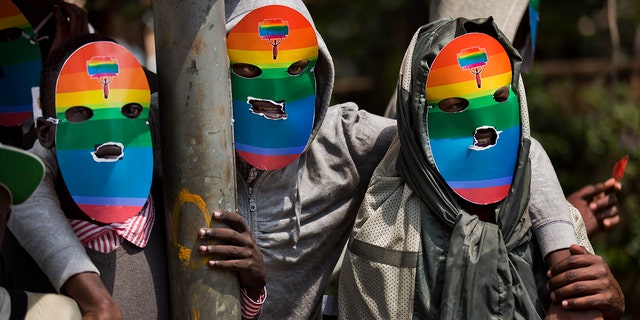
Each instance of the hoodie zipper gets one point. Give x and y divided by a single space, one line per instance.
253 205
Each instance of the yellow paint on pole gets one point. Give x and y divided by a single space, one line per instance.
184 253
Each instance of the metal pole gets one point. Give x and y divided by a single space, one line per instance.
197 150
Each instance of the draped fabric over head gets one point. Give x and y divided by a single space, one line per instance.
484 276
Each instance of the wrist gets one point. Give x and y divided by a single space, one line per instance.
88 291
556 256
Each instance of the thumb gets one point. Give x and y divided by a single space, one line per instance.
575 249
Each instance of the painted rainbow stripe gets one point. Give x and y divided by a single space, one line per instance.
273 29
106 191
103 69
472 58
20 66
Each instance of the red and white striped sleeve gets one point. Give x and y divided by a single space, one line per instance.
250 308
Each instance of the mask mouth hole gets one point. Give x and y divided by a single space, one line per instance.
485 137
273 110
108 152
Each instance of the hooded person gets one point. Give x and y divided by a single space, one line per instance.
95 138
445 225
302 166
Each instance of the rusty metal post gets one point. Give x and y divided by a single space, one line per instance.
197 150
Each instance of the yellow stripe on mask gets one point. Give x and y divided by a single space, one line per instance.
468 89
265 58
13 21
90 98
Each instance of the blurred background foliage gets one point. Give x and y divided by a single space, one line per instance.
583 90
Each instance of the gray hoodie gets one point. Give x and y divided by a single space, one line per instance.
301 215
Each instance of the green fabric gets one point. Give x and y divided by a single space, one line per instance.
488 269
383 255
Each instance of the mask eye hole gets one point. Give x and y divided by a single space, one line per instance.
10 34
296 68
78 114
131 110
451 105
246 70
501 95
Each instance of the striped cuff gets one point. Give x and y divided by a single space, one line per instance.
250 308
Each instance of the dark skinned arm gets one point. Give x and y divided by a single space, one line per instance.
92 297
556 311
584 281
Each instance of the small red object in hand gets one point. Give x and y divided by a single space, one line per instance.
618 168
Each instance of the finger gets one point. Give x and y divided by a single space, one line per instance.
232 219
226 235
79 14
597 271
617 186
575 249
588 192
612 185
576 289
61 20
226 251
565 281
608 213
77 17
576 275
588 302
610 222
232 265
571 263
604 202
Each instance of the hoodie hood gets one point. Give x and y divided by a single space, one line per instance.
235 10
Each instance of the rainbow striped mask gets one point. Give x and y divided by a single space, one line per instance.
103 141
473 120
273 51
20 65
